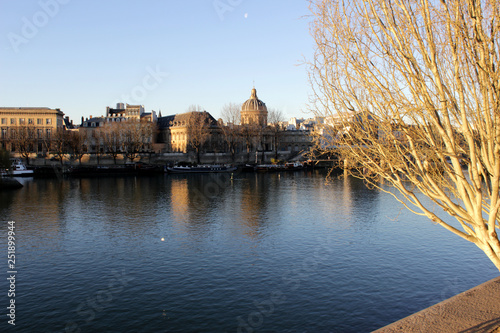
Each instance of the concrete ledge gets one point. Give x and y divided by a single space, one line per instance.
475 310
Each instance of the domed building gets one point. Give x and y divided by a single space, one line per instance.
254 111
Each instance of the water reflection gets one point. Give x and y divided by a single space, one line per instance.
202 200
251 204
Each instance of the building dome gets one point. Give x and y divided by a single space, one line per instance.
253 103
254 111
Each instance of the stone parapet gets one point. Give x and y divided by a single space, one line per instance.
475 310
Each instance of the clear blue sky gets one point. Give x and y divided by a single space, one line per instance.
83 55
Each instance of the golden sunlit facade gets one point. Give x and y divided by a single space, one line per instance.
42 122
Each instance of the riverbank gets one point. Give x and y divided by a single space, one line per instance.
261 157
475 310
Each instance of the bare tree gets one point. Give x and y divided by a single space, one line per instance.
132 138
231 129
94 141
416 88
76 144
23 138
149 130
46 141
112 139
198 131
137 137
275 122
251 136
59 144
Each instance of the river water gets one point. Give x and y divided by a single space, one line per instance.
207 253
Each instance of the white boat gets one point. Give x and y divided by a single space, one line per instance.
18 169
294 166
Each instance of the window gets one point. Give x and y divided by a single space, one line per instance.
39 121
48 132
4 133
22 121
48 121
39 133
31 121
12 121
4 121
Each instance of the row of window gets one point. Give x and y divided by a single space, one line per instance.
31 121
39 133
100 124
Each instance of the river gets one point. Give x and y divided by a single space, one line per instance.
209 253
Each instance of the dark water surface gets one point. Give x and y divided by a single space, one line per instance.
259 253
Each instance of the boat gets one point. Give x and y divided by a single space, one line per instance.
246 168
290 166
269 167
18 169
201 169
294 166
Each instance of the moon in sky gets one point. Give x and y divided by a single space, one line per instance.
246 15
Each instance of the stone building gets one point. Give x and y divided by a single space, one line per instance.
178 132
254 111
122 112
269 138
116 120
39 123
125 111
